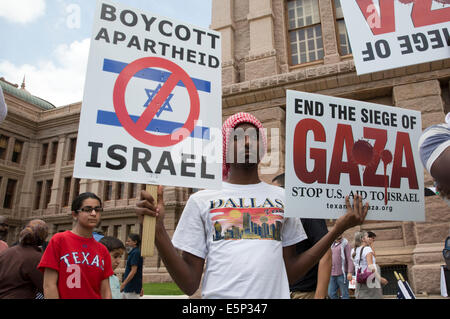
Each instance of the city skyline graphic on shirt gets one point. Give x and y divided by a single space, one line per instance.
247 223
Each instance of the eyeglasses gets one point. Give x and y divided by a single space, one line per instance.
4 225
88 209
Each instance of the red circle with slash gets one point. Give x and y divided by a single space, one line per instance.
137 129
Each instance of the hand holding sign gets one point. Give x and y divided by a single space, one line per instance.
149 206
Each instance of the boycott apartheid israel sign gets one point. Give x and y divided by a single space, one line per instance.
337 147
387 34
151 111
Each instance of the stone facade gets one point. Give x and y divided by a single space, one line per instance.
256 72
53 164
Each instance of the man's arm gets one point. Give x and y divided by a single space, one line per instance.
51 284
298 265
185 270
130 277
323 276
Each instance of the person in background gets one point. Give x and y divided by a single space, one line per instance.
313 285
74 264
98 233
3 232
364 258
116 249
19 276
434 150
132 283
342 268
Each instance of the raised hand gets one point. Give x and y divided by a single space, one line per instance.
355 215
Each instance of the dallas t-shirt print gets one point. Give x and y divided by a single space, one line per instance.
241 222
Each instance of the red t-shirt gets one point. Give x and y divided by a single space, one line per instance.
82 264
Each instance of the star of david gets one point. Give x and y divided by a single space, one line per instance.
166 105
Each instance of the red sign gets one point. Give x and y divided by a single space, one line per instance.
138 129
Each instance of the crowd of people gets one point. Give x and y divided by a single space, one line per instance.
302 259
74 264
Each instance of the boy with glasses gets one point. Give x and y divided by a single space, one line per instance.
75 265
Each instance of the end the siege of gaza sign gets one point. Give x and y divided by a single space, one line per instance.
387 34
337 147
151 111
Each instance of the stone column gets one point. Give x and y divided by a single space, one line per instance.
261 60
330 44
9 149
29 160
84 186
223 22
55 198
97 188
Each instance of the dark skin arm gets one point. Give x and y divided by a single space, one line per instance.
186 270
298 265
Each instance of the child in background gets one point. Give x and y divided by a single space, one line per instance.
74 264
116 249
132 278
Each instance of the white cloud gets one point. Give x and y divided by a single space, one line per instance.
59 81
22 11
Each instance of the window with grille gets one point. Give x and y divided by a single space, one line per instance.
343 41
54 152
9 194
3 146
48 192
305 31
72 148
108 191
66 191
17 151
132 189
120 190
38 194
44 153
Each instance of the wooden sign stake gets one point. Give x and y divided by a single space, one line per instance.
148 229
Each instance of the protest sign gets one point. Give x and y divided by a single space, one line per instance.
151 111
387 34
337 147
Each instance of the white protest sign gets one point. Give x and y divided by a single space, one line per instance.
152 107
387 34
337 147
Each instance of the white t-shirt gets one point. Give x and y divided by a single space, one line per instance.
240 231
367 250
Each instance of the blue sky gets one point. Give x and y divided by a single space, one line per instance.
47 40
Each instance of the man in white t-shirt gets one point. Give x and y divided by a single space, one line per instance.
434 150
240 231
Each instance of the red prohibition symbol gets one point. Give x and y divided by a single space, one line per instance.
137 130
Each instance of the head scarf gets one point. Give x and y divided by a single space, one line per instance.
227 129
434 140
